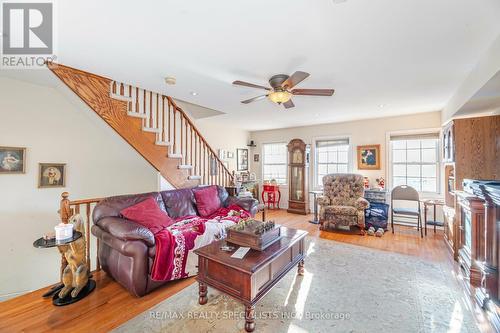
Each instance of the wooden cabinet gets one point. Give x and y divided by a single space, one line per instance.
490 287
298 174
474 150
471 236
449 230
479 253
448 143
469 151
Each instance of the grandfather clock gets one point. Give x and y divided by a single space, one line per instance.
298 171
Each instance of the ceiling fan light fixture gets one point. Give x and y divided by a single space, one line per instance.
280 97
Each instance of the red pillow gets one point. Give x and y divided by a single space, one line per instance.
207 200
148 214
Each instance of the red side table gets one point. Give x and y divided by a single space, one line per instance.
271 195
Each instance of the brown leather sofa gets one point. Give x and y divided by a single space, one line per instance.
127 249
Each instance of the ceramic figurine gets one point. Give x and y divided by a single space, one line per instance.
76 274
381 183
366 182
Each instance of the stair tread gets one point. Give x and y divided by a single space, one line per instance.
150 129
136 114
163 143
120 97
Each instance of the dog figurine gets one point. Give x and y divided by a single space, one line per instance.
76 274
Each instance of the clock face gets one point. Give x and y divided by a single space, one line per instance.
297 156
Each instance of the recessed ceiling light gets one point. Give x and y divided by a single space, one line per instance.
194 93
381 105
338 1
170 80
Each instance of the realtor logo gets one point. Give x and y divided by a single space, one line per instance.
28 33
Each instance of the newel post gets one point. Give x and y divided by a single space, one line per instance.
64 208
65 213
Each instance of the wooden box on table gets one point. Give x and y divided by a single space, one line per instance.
254 234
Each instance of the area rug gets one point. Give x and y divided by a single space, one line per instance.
345 288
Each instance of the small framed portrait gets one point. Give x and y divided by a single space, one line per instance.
51 175
12 160
241 159
214 170
229 154
222 154
255 157
369 157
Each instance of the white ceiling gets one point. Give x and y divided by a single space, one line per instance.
408 55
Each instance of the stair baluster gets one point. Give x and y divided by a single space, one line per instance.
175 130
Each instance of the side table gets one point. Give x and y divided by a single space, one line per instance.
315 194
434 203
55 290
271 195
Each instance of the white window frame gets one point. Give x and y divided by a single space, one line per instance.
264 160
314 157
438 163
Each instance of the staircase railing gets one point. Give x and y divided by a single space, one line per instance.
174 129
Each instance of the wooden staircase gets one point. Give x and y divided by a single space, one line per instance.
153 124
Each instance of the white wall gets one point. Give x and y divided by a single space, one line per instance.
54 129
217 135
487 66
362 132
223 137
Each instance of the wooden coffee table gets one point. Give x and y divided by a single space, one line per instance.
249 279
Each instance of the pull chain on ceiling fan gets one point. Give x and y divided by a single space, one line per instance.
280 92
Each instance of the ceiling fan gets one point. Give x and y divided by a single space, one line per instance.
280 92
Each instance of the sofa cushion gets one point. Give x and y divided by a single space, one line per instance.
341 210
223 195
207 200
124 230
343 189
148 214
179 202
111 207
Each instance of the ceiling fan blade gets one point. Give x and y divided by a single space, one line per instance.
289 104
253 99
295 79
313 92
251 85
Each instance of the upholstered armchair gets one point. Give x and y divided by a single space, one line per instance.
342 202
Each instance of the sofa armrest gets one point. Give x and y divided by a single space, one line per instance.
126 230
361 203
248 204
323 200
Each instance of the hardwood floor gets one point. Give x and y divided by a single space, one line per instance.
110 305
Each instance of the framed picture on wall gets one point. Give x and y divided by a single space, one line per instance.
51 175
255 157
12 160
369 157
229 154
214 170
222 154
241 159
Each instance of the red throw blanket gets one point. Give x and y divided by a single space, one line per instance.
174 243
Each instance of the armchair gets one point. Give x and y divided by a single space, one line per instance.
342 203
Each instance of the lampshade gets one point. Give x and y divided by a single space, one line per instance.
280 96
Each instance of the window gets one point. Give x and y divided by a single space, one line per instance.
415 162
274 160
332 156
